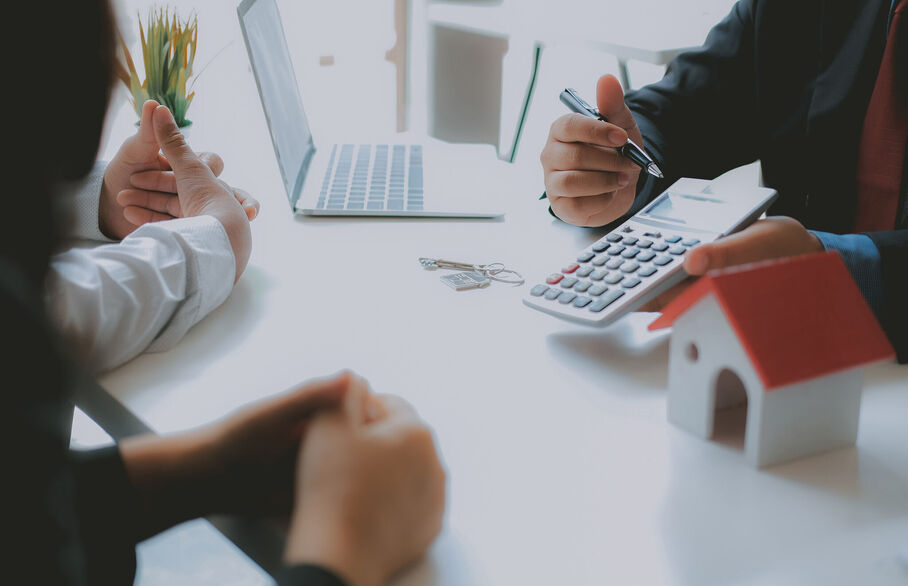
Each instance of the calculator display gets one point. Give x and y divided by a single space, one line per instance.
697 209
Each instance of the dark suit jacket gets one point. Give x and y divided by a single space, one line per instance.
787 82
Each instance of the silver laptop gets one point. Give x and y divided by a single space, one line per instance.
349 179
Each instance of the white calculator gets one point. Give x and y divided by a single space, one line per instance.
642 258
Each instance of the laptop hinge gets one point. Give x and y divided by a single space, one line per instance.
301 177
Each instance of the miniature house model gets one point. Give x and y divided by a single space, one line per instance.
790 337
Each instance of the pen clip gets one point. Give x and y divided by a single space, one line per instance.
583 103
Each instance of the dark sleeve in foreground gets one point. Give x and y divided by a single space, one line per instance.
309 575
106 510
66 516
893 248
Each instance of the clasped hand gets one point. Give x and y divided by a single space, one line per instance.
139 184
357 473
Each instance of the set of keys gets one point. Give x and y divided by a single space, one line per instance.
472 276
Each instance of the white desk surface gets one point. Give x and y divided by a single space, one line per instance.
562 466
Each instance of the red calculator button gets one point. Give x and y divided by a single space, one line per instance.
570 269
554 278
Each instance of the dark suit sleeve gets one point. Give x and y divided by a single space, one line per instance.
107 513
893 247
68 516
700 119
309 575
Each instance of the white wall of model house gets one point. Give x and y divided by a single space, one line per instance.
709 369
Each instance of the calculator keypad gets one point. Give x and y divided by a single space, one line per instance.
613 267
582 301
566 297
606 300
597 290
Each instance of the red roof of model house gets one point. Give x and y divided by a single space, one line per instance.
797 318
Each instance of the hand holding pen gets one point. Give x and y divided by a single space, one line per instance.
630 149
588 179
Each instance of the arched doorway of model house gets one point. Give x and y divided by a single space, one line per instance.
730 416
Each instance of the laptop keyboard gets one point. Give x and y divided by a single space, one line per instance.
373 177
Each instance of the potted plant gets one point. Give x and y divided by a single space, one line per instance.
168 52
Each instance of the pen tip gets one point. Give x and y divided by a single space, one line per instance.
654 170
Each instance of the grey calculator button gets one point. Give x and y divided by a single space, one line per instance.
614 263
660 246
615 249
539 290
645 243
584 271
630 282
600 260
690 242
646 255
629 267
677 250
614 278
566 297
630 253
568 282
585 257
673 238
613 237
647 271
599 275
627 229
606 300
582 286
598 290
629 240
662 260
552 294
582 301
600 246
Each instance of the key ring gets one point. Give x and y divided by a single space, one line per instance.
495 269
491 271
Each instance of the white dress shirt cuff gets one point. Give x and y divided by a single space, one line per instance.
115 301
210 274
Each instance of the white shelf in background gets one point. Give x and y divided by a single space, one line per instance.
478 17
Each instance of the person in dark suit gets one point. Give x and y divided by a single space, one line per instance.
357 474
817 91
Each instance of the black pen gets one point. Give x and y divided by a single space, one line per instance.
630 149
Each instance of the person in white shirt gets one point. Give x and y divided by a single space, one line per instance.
178 255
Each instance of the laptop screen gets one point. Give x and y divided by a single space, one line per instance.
270 59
